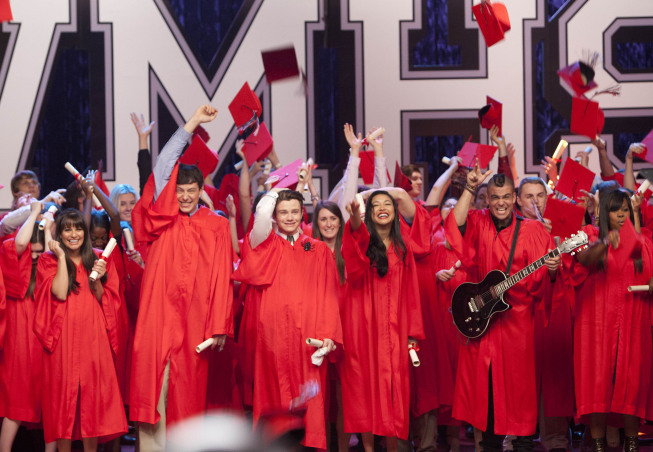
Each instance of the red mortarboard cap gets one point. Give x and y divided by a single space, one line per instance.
280 64
648 152
579 77
401 180
490 115
628 244
100 184
203 134
257 147
586 117
574 178
493 24
471 151
5 11
245 105
200 155
287 175
566 218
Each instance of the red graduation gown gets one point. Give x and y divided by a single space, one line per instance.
508 345
186 298
432 383
379 315
81 398
612 335
298 299
21 358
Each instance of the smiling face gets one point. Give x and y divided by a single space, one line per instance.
28 185
72 238
125 206
383 211
288 215
99 237
618 217
501 201
188 195
529 194
417 182
328 223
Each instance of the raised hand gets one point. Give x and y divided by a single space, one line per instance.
55 247
635 148
496 138
231 206
355 142
142 128
476 177
550 168
599 143
55 196
100 266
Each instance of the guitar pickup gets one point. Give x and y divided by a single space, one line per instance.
472 305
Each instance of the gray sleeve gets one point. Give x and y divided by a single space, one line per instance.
167 159
14 220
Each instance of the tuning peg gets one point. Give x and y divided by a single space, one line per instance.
573 252
573 235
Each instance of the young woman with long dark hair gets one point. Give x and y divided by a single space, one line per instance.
612 330
75 321
380 316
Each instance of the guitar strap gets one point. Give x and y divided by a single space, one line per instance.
514 245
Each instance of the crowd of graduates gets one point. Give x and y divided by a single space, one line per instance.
234 299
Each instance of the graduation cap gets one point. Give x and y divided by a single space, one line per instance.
647 173
286 176
201 131
490 115
493 21
566 218
280 64
401 180
574 178
648 152
245 108
470 151
579 77
199 154
258 146
586 117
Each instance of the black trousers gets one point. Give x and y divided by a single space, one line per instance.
494 443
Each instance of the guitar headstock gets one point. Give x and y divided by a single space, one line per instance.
574 244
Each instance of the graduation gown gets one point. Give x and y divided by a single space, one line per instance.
612 335
81 398
379 315
186 298
21 357
298 299
508 345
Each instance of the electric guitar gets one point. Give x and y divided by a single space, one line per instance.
473 305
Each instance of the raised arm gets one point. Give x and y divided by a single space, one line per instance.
263 218
244 187
60 282
24 234
607 170
504 162
107 205
474 178
144 160
233 228
405 203
440 186
346 189
380 166
629 174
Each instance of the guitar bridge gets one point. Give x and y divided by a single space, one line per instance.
472 305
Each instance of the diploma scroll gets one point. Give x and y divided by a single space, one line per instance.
559 150
49 215
446 160
412 352
373 136
455 267
645 185
638 288
105 255
206 344
129 240
71 169
314 342
304 171
361 204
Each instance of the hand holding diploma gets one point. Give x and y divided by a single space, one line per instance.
324 347
215 341
105 255
71 169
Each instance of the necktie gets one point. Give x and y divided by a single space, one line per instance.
291 239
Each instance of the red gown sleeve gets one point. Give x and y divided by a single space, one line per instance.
111 305
258 266
220 314
461 244
50 311
14 267
420 232
150 218
3 307
328 315
354 251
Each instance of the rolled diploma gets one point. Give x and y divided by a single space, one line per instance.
456 266
446 160
204 345
314 342
105 255
560 149
71 169
238 165
48 214
303 172
642 188
413 357
638 288
361 203
129 241
587 150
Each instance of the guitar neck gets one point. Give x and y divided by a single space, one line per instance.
504 286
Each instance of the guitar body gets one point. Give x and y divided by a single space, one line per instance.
474 304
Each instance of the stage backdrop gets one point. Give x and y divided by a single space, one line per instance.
71 71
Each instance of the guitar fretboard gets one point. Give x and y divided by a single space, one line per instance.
524 272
